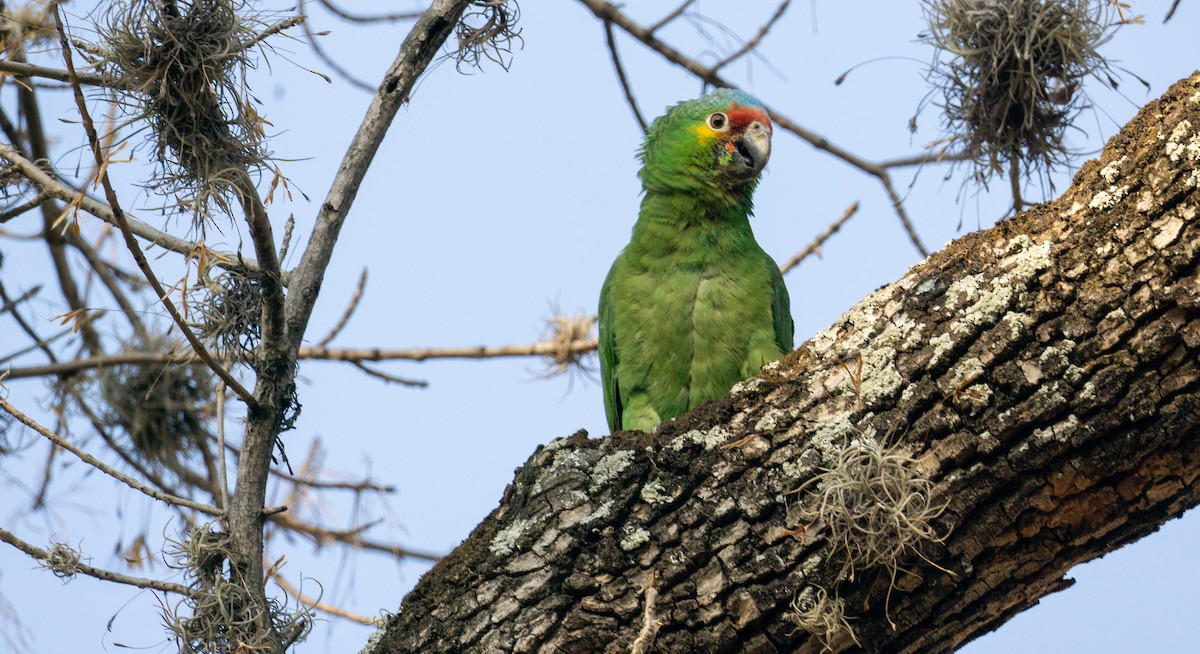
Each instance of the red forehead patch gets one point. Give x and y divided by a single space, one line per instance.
740 116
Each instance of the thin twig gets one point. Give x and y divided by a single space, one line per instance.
391 379
359 18
322 606
32 204
341 324
671 16
365 486
815 246
100 573
102 467
1171 11
941 155
753 43
352 537
542 348
11 304
337 68
130 242
105 273
29 70
39 342
286 23
621 77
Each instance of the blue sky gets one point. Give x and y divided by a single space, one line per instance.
499 194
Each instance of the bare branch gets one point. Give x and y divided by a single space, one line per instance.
930 156
52 187
24 207
337 68
391 379
359 18
616 59
671 16
1171 11
131 242
322 606
103 467
11 304
815 246
354 299
100 573
543 348
353 537
90 79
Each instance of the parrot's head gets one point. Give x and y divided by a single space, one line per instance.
719 143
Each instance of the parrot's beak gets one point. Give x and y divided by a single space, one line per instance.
750 151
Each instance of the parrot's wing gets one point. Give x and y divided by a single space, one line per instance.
608 361
781 312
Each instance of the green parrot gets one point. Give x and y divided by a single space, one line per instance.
693 304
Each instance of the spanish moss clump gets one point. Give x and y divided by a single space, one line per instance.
63 561
1010 73
814 611
488 29
186 61
565 333
224 618
230 310
161 406
875 504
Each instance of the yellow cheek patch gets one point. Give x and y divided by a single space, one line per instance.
704 133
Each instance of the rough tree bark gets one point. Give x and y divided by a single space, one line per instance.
1042 374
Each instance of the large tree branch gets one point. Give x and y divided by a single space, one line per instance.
1042 375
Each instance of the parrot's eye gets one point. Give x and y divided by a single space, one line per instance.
718 121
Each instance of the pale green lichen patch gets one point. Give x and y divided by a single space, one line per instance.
1018 323
504 542
708 439
770 421
655 492
603 512
880 379
373 641
941 344
633 537
964 373
987 304
609 467
802 467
